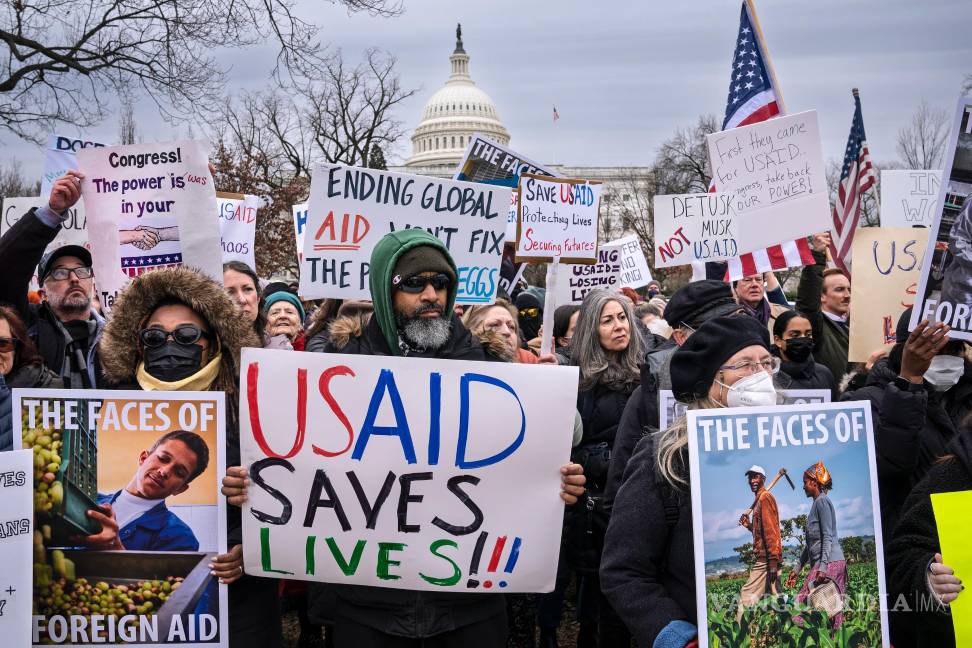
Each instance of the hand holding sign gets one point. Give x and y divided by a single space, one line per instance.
66 191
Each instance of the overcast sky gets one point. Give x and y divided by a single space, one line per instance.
624 75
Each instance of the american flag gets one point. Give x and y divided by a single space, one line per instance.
556 114
753 98
856 177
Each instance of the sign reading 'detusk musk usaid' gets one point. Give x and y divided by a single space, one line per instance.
945 288
775 172
149 206
558 219
404 472
351 209
697 227
755 554
908 197
491 163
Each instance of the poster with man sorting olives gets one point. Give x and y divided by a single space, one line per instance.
129 542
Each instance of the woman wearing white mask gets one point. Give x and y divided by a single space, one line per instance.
647 568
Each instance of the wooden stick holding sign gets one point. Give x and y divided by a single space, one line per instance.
557 220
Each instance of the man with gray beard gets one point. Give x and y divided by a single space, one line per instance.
64 326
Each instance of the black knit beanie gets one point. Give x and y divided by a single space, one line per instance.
695 364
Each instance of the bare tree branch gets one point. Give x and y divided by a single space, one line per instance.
921 144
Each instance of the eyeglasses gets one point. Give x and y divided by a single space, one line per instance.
417 283
60 274
529 312
8 344
769 365
186 334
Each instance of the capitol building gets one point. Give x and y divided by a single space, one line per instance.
460 109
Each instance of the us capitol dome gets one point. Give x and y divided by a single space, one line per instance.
450 117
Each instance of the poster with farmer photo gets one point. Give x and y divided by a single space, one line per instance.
787 526
128 516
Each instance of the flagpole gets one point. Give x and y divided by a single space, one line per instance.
766 55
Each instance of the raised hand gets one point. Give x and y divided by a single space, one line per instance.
923 344
66 191
821 242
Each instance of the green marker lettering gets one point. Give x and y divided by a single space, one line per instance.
384 562
456 572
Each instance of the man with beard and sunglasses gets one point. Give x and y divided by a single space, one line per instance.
64 326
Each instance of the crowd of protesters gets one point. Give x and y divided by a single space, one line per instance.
627 538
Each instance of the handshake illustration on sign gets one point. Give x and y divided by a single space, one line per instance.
146 237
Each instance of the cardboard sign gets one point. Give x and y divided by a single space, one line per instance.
491 163
73 232
16 537
697 227
635 272
723 445
352 208
888 263
670 408
237 226
300 226
402 472
954 529
775 172
60 156
945 288
150 206
576 280
908 198
151 583
557 219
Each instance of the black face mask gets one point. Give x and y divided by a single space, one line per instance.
799 349
652 292
172 361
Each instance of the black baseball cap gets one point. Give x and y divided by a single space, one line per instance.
44 267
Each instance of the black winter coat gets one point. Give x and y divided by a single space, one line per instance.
805 375
914 545
648 564
32 376
912 430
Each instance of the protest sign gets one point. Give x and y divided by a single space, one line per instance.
887 260
73 231
576 280
402 472
300 226
510 270
837 441
16 536
945 287
635 272
670 408
698 227
237 226
908 197
151 583
150 206
491 163
775 172
60 156
954 529
558 219
351 209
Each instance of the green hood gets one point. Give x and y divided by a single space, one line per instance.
383 260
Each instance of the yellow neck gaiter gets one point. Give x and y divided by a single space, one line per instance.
199 381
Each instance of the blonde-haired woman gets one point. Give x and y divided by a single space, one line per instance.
498 322
647 569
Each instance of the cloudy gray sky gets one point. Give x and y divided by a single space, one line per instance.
624 75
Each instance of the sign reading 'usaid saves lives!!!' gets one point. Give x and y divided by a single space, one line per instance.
351 209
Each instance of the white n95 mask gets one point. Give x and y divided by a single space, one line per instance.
944 372
756 389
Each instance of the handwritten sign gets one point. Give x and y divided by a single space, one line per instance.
954 528
150 206
491 163
908 197
16 538
670 408
635 272
695 227
404 473
887 261
61 156
576 280
558 219
237 226
775 173
74 231
945 287
300 226
351 209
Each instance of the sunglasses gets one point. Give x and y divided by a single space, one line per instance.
417 283
8 344
529 312
186 334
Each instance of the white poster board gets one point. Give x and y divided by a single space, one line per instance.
402 472
775 171
300 226
16 545
635 272
698 227
670 408
73 232
558 219
352 208
237 226
908 197
576 280
150 206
